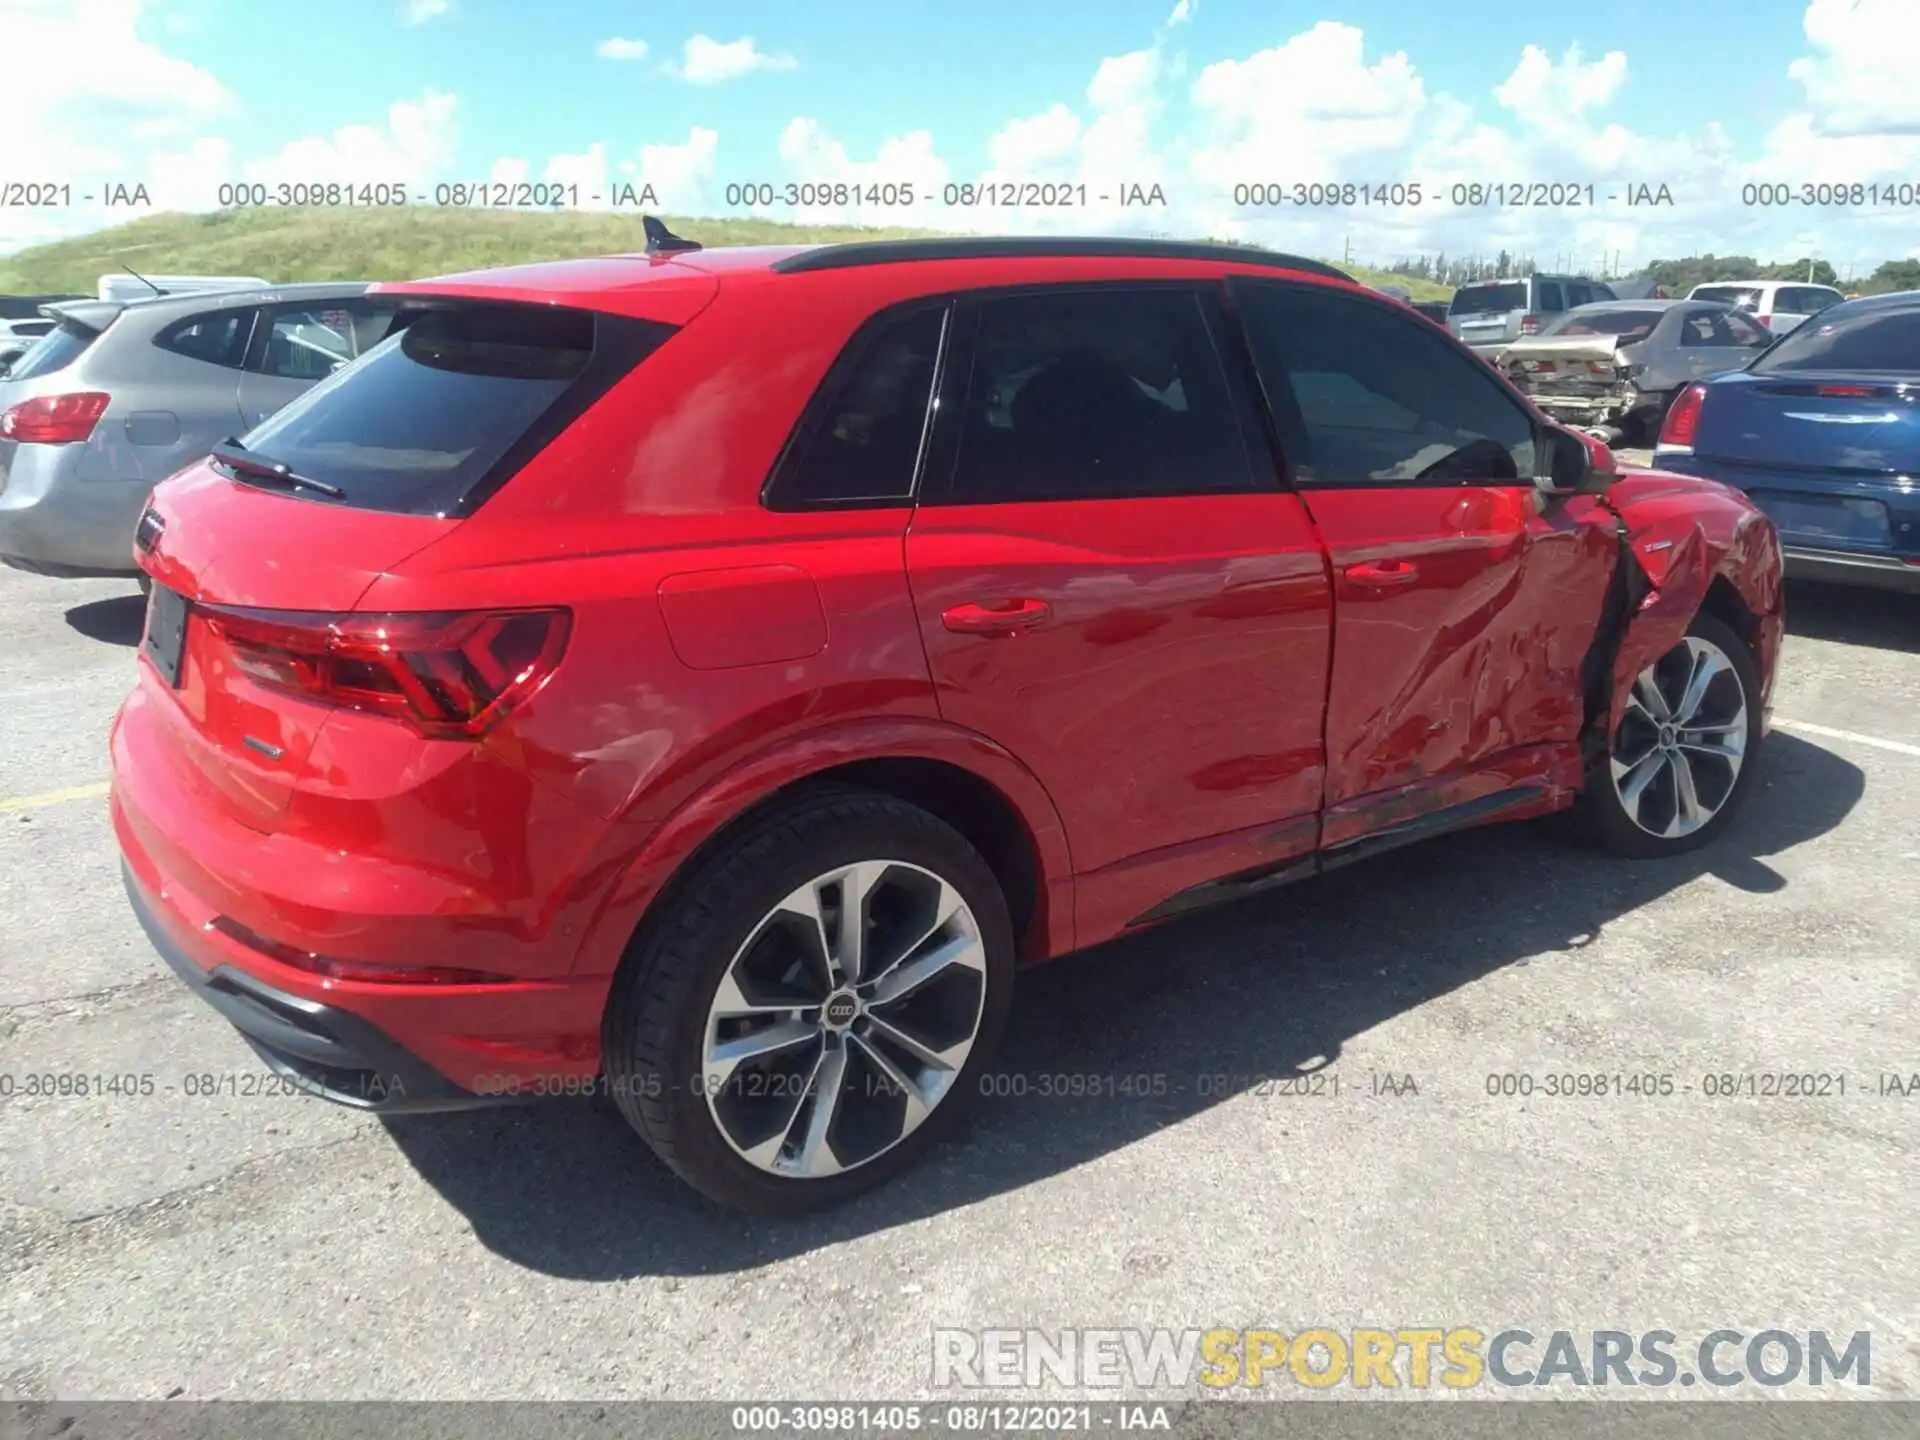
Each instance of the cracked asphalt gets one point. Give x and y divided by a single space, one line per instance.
162 1243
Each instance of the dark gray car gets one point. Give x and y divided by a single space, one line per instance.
121 395
1613 368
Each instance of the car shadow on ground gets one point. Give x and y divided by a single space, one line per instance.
1845 615
116 621
1267 988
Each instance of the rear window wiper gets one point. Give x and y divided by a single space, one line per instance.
237 458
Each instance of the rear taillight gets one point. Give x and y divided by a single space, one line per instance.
1529 324
1849 392
449 675
54 419
1683 419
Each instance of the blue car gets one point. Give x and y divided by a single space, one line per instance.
1822 430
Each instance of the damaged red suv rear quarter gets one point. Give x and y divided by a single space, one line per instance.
595 685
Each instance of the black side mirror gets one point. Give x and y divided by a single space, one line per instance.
1574 464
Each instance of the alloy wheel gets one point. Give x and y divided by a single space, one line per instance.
1682 740
844 1019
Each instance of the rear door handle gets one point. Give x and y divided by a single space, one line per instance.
996 617
1383 574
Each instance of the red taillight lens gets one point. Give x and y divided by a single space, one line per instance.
1529 324
1851 392
450 676
54 419
1683 418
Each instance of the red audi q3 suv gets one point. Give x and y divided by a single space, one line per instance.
703 676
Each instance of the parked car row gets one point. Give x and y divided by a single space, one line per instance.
120 394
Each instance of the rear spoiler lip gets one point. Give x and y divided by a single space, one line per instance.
93 316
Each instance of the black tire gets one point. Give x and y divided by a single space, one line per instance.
655 1024
1607 820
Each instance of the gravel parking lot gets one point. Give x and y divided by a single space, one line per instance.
228 1245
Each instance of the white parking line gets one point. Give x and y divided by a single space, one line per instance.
1806 727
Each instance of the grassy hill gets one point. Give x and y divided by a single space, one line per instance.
349 244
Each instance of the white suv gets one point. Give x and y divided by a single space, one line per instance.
1777 304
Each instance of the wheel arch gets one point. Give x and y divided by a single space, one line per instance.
964 779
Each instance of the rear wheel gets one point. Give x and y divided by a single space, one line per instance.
1683 756
813 1008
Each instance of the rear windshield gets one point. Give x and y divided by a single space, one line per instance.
53 351
1629 324
1490 299
444 410
1747 297
1882 340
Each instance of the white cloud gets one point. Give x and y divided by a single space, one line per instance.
707 61
1861 80
1182 13
416 144
681 175
812 156
419 12
616 47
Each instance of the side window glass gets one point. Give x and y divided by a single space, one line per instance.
219 338
861 437
1383 401
1744 331
311 342
1097 394
1550 298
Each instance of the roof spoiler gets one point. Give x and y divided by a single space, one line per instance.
662 241
91 315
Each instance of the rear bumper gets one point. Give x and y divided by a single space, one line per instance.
325 1051
55 522
1845 567
202 884
1808 554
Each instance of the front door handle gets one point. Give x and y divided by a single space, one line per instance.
1383 574
996 617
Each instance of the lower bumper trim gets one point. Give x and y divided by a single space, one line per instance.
325 1051
1842 567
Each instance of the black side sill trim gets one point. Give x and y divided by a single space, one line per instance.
1271 877
894 252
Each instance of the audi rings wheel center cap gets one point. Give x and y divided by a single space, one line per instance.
841 1009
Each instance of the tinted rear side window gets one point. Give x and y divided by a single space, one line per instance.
860 441
52 352
218 338
1884 340
1490 299
1097 394
442 412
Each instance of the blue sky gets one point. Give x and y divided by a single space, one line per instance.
1704 97
868 69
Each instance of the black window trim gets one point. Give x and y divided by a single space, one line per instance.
262 336
954 389
782 478
1289 423
173 327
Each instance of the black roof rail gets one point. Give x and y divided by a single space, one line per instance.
894 252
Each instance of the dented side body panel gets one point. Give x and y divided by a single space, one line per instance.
1685 533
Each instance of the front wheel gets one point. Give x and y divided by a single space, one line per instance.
815 1005
1683 756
